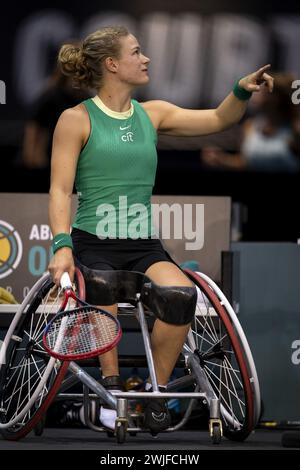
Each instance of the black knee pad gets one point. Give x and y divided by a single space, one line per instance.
171 304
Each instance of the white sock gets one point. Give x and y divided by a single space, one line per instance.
108 416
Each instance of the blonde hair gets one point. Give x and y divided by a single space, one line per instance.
84 62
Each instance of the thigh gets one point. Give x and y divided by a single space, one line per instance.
165 273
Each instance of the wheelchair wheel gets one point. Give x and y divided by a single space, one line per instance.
217 338
29 377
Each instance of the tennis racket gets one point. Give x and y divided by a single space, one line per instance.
81 332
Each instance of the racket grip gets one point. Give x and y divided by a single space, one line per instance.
65 281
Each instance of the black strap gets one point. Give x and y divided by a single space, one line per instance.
113 382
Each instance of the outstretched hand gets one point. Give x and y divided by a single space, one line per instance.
254 81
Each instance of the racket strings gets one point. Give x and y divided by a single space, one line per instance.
81 332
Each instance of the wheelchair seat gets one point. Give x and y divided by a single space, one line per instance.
112 286
123 286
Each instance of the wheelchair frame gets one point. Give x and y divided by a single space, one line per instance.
222 416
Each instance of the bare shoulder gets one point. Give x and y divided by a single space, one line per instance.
157 109
75 121
77 115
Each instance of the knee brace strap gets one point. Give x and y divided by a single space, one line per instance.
171 304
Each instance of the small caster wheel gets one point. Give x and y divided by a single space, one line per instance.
216 434
215 430
121 430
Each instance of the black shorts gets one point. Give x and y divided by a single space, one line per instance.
117 254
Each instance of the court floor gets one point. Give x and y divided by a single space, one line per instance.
85 439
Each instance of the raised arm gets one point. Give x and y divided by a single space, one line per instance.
70 134
173 120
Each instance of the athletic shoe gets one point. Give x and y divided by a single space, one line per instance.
157 417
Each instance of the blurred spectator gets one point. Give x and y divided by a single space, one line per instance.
58 95
270 134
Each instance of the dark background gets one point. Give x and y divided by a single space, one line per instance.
269 201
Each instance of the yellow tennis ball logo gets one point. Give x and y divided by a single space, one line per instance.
10 249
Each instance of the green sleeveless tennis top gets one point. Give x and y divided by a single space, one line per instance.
115 175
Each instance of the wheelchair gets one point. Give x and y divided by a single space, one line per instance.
218 365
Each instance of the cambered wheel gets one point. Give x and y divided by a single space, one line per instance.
29 378
218 341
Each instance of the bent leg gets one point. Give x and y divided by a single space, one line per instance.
109 361
167 342
167 339
110 372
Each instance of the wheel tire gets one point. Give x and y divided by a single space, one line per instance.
39 428
220 351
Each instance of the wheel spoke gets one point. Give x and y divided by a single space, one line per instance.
23 383
26 397
235 373
210 372
30 378
226 410
20 372
235 390
208 306
51 307
212 332
214 345
204 339
222 366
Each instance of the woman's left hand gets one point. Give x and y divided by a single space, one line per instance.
253 81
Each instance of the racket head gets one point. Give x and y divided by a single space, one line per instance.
81 333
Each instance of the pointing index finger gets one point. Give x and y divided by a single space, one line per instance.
263 69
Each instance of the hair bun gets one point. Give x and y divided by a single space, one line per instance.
83 62
72 64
